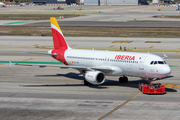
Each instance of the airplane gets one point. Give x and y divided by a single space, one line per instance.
1 4
96 64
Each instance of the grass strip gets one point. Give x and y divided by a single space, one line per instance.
35 16
92 32
47 11
168 16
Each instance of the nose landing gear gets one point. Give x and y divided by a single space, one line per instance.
123 79
150 79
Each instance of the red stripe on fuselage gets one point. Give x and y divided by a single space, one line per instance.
60 56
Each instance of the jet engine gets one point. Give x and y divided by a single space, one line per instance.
95 77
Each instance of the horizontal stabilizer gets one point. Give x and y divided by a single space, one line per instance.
41 53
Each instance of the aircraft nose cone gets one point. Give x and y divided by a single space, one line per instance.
167 71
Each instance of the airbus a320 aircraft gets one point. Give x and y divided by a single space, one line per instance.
95 64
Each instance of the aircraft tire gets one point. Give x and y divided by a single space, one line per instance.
121 80
86 83
125 80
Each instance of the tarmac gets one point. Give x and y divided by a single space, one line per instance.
53 93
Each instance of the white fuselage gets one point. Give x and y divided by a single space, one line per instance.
122 63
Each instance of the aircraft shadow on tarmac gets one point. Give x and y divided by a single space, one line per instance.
68 75
166 77
76 76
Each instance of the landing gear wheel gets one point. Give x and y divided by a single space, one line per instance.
123 80
86 83
149 80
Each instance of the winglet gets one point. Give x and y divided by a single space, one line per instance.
165 56
58 37
10 63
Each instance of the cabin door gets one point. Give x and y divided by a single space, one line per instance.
141 62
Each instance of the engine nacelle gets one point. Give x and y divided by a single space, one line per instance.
95 77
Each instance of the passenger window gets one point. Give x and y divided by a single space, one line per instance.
165 62
155 62
152 62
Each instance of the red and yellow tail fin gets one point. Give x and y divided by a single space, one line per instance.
58 38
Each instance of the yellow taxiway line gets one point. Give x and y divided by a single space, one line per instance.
72 45
111 46
172 86
118 107
122 41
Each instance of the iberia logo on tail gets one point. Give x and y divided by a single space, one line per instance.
58 37
60 45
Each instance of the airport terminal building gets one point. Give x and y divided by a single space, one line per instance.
114 2
93 2
55 1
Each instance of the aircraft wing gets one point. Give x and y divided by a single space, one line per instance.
104 69
48 65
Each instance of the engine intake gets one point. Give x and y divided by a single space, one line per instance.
95 77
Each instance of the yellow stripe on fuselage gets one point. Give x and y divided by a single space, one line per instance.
54 22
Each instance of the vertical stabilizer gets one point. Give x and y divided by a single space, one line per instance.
58 38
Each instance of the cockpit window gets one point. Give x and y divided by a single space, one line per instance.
160 62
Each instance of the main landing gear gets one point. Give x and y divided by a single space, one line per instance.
150 79
123 79
86 83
